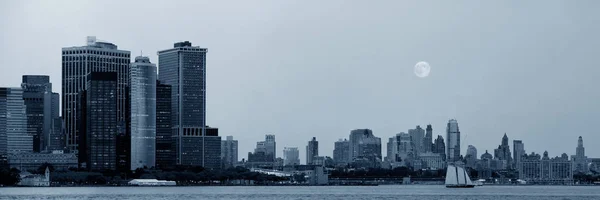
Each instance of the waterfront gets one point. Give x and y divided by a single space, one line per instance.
420 192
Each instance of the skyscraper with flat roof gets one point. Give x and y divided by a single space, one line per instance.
77 65
453 141
229 152
13 123
165 143
143 113
518 152
37 94
183 67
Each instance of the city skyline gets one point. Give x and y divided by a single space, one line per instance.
527 102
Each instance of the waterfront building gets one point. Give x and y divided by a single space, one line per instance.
32 161
142 80
453 143
518 151
432 161
291 156
77 65
416 137
341 152
13 123
165 143
503 152
312 150
35 180
98 145
37 95
545 170
580 161
183 67
229 152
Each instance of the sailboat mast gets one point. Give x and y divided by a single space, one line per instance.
465 175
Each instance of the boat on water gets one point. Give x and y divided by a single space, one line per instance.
457 177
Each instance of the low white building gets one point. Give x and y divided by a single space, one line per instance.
35 180
151 182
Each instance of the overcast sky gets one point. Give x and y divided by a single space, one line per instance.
299 69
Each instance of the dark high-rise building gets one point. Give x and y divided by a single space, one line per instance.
99 104
165 144
312 150
427 141
37 94
77 65
439 146
53 131
503 152
183 67
142 80
198 150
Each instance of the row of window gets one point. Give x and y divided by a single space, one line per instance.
95 52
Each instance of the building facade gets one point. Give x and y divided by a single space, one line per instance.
439 146
518 153
37 94
428 140
165 143
471 156
13 123
432 161
229 152
312 150
417 136
32 161
453 143
545 170
364 144
142 80
580 161
341 152
291 156
198 150
503 151
77 65
183 67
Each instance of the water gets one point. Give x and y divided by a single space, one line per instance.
420 192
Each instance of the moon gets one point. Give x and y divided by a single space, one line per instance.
422 69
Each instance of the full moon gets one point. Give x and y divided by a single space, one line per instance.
422 69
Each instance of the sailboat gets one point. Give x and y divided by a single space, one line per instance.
457 177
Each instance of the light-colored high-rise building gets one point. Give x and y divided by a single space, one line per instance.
364 144
518 153
546 170
417 135
291 156
229 151
77 65
392 149
453 141
271 145
471 156
580 161
183 67
142 80
406 147
13 123
341 152
312 150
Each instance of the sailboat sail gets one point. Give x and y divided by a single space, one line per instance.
451 176
469 182
461 176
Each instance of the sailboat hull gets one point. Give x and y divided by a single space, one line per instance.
460 186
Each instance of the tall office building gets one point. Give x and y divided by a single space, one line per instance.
229 152
271 146
53 131
417 135
392 149
291 156
13 123
358 139
453 143
77 65
406 147
98 147
183 67
503 152
165 143
142 80
471 156
37 92
341 152
580 161
427 141
518 153
312 150
439 146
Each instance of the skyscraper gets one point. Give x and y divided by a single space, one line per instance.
406 148
13 122
364 144
417 135
312 150
439 146
392 149
453 143
98 147
54 130
37 94
165 143
580 161
503 152
291 156
77 65
142 80
229 152
518 152
427 141
341 152
271 145
183 67
471 156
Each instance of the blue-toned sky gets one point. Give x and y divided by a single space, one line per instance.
300 69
